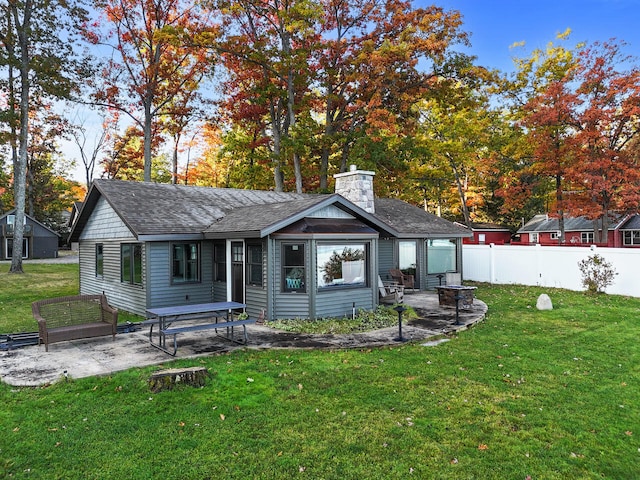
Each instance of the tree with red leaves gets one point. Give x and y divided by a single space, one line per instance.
606 174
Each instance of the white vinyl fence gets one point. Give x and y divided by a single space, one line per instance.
548 266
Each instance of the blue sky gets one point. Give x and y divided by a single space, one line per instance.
495 25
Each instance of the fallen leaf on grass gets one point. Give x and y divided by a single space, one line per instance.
453 461
482 446
222 417
628 433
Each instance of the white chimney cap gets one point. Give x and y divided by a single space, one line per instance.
353 168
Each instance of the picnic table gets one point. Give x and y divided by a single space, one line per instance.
217 314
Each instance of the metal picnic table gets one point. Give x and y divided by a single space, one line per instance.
164 317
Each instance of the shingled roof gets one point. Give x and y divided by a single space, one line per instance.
155 210
544 223
410 221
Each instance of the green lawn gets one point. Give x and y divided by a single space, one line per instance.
550 395
18 291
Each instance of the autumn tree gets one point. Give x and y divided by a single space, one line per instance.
606 176
456 127
265 48
38 57
377 59
152 69
548 110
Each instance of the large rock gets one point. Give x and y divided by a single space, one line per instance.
544 302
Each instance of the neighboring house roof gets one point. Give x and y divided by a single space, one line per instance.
73 214
486 227
543 223
631 223
12 212
154 211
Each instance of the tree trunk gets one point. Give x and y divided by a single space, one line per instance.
297 167
559 199
463 199
147 141
278 178
174 159
20 166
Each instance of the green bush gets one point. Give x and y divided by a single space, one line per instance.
597 273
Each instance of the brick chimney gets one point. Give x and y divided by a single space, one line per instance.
357 187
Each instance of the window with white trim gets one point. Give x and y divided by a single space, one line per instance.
586 237
631 237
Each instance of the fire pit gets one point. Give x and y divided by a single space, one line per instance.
447 295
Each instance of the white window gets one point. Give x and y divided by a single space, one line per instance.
586 237
554 235
631 237
533 238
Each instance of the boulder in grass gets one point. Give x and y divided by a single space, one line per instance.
544 302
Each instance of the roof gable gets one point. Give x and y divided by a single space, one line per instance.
31 219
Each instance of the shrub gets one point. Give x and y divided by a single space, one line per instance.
597 273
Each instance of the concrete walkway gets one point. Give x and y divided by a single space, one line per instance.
32 366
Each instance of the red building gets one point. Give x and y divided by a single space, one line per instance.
487 233
624 231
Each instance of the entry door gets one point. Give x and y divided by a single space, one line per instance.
237 272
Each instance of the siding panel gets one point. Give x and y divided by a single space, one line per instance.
341 303
130 298
162 293
385 258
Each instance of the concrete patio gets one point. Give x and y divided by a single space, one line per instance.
32 366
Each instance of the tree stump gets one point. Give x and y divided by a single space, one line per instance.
167 379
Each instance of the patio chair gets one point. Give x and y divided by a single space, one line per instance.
390 292
407 281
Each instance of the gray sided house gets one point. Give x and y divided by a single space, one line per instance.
149 245
39 241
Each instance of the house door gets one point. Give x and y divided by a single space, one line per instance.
237 272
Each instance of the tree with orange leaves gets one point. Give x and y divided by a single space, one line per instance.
154 68
376 60
549 116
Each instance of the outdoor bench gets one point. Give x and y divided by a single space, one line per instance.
209 326
73 317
